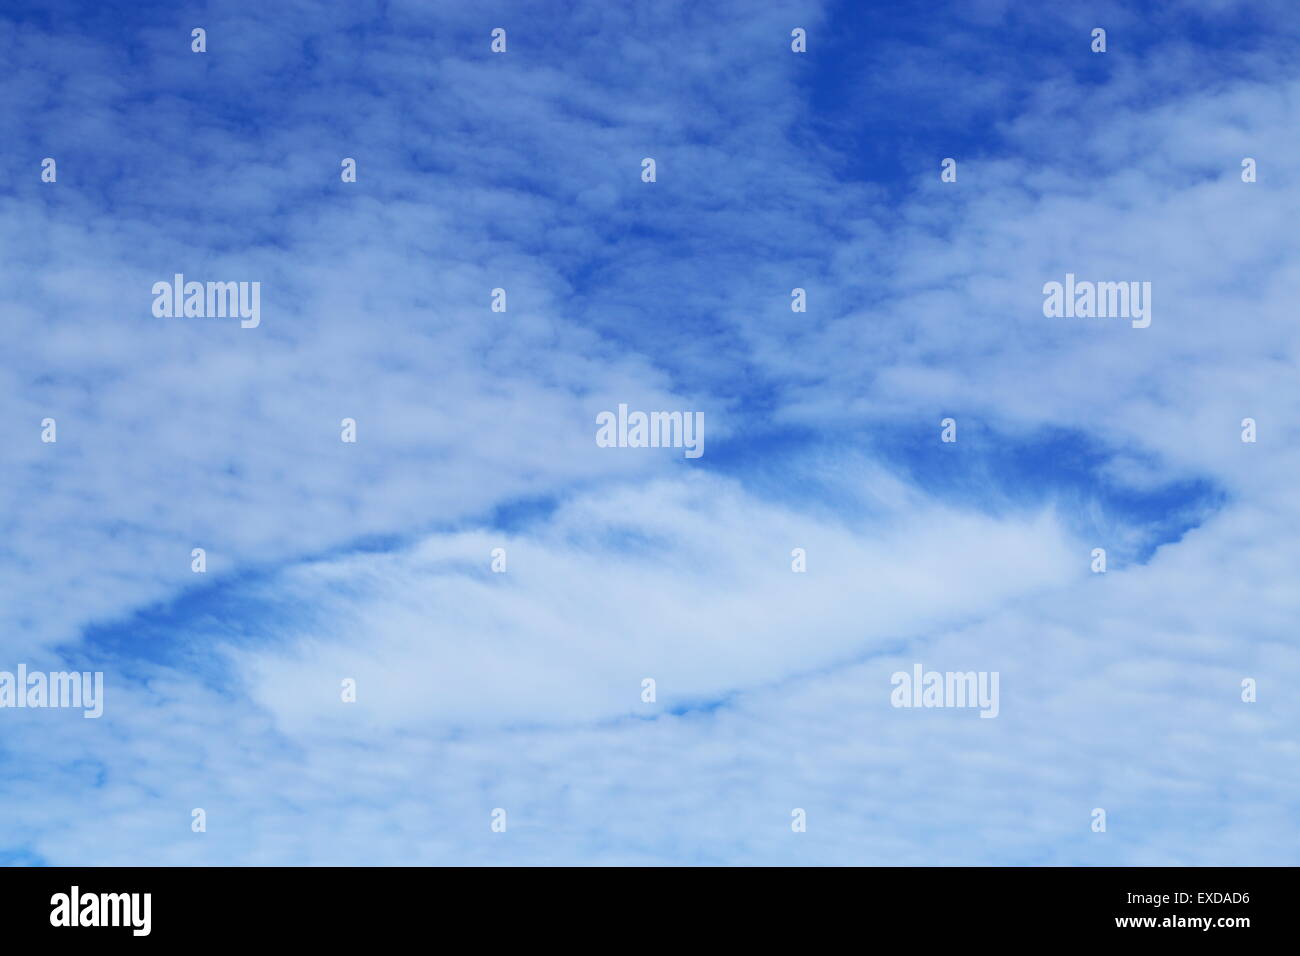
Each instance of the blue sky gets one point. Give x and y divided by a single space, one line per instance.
522 690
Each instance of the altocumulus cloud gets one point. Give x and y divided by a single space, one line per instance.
522 689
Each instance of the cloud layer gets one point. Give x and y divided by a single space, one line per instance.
522 689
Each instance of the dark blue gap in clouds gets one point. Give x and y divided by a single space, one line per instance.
219 610
869 63
984 470
224 608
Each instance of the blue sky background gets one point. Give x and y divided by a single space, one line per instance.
476 430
